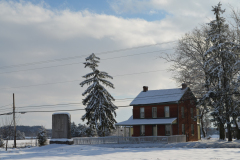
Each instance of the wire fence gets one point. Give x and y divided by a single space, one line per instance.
129 140
23 143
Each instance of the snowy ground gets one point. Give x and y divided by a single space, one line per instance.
179 151
23 143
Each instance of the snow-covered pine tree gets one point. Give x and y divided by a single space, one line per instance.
222 68
73 130
42 136
100 111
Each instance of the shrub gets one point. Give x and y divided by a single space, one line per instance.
42 137
1 142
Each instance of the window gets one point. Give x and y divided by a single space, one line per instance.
154 112
166 110
168 130
191 110
182 110
142 130
183 128
142 112
192 129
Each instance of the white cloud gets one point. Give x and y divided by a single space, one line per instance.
32 33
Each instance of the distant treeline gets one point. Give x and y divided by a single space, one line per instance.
32 131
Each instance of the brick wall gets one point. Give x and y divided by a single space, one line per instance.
136 112
188 120
174 129
160 111
148 130
161 130
136 131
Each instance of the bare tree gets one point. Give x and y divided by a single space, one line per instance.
7 130
188 65
235 24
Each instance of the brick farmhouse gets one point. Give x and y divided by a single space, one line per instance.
163 113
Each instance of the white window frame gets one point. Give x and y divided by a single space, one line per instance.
168 133
142 130
183 128
154 112
192 129
165 108
182 111
142 114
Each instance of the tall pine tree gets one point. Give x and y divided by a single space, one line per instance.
222 68
100 111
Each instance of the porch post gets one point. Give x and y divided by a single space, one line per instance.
125 131
118 130
129 131
156 130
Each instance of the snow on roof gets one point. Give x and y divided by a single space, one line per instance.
159 96
132 121
62 113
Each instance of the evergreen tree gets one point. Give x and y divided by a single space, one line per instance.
81 130
100 110
222 68
42 136
73 130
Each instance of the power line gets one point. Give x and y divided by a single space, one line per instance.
117 106
43 106
48 105
74 57
6 105
23 112
123 99
81 62
138 98
64 104
79 80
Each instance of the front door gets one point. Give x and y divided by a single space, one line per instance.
154 130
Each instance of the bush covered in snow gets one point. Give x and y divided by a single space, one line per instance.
42 137
81 130
86 131
20 135
1 142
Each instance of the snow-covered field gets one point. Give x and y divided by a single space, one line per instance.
23 143
177 151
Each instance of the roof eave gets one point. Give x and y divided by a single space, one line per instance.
162 103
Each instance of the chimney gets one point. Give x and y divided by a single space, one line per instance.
145 88
184 85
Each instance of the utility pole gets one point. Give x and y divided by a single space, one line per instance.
14 121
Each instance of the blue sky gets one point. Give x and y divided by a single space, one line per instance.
100 7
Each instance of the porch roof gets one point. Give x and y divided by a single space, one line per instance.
131 121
